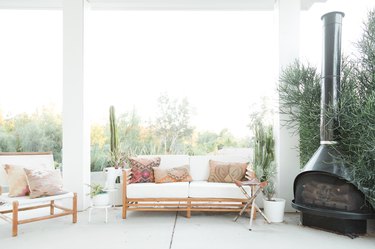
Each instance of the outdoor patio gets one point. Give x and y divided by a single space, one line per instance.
166 230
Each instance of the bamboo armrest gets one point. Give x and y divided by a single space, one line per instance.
127 175
250 173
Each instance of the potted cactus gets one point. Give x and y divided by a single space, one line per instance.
116 161
265 169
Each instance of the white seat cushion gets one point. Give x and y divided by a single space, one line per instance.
158 190
26 200
204 189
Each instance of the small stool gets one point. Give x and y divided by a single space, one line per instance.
256 188
100 207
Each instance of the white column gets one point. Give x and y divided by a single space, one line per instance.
287 22
76 133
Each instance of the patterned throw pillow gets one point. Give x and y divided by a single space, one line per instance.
177 174
226 171
17 180
44 182
141 169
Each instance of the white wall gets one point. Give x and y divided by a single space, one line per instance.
76 130
287 24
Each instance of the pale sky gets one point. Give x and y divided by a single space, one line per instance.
221 61
311 26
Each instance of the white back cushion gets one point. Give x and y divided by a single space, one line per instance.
199 167
170 161
30 160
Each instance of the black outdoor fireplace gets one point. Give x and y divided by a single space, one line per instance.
322 192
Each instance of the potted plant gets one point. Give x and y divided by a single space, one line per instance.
116 158
98 195
265 169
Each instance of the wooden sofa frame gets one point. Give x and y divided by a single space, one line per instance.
179 204
15 209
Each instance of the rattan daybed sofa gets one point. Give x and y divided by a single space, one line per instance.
196 195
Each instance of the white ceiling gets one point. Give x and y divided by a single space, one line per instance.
30 4
155 4
184 4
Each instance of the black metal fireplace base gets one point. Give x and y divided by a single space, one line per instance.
343 226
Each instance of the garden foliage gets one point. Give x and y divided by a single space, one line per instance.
171 133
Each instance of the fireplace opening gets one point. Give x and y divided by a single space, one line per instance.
326 191
331 203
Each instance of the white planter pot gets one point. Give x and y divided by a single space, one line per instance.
115 197
111 175
274 209
100 200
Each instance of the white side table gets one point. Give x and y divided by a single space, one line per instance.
100 207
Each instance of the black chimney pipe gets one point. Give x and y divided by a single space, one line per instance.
330 80
327 158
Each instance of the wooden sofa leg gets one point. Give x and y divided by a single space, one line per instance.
124 199
15 219
124 208
75 208
52 208
188 212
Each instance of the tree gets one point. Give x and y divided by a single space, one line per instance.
1 118
205 142
136 139
226 139
36 132
172 123
7 140
97 135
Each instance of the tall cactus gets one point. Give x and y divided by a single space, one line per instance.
113 128
264 157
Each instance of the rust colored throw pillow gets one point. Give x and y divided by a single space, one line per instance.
44 182
17 180
141 169
177 174
226 171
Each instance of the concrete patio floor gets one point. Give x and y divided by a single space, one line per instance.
171 230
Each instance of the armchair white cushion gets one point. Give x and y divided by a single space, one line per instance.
25 200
